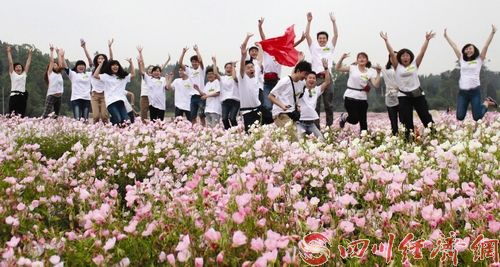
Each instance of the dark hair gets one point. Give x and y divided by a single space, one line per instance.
303 66
97 64
405 51
368 63
253 48
321 33
121 74
79 62
474 56
229 63
18 64
46 76
209 69
194 58
155 68
248 62
389 63
314 73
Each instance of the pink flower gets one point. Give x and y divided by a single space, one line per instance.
130 228
273 192
212 235
300 206
84 194
347 199
369 196
261 222
162 257
98 260
8 253
257 244
198 262
220 257
312 223
346 226
238 217
239 239
13 242
149 229
12 221
493 226
243 200
171 259
109 244
431 215
183 244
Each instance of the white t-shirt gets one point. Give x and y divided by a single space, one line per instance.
156 90
144 88
228 88
80 85
283 91
114 89
197 77
56 84
213 103
182 93
469 73
97 85
270 64
249 92
258 71
407 78
18 82
391 87
358 80
307 104
318 53
128 106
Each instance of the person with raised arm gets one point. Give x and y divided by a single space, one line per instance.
356 95
115 80
248 85
54 81
156 87
18 73
391 95
196 74
97 101
229 94
307 103
183 90
80 86
471 61
319 49
271 69
213 109
411 96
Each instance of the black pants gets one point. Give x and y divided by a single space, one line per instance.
180 112
230 108
356 111
156 113
393 116
131 116
327 98
17 104
52 104
406 106
250 118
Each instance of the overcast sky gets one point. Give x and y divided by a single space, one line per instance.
218 27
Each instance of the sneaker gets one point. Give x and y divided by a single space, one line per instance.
343 119
493 102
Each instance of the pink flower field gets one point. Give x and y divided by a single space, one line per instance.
173 194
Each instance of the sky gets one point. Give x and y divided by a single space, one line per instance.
219 27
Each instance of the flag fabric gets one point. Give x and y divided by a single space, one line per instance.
281 48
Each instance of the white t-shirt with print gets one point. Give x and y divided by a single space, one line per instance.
127 104
182 93
228 88
469 73
197 76
283 91
18 82
358 80
318 53
80 85
391 87
114 89
213 103
156 90
144 88
249 92
407 78
307 104
56 84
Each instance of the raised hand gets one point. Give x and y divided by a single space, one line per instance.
303 36
332 17
324 61
384 36
195 48
30 50
82 43
378 68
249 35
51 46
110 42
309 16
429 35
60 51
139 48
445 33
214 60
493 29
345 55
168 59
261 21
129 60
185 49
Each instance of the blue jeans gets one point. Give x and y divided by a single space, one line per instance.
81 109
118 112
268 86
474 97
230 108
197 107
308 127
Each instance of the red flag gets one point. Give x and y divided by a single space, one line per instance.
281 48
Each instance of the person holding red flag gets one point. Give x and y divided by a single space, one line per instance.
322 49
271 66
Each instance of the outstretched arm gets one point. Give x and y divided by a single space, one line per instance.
339 66
140 61
110 43
84 46
302 38
328 77
308 28
376 81
132 69
98 71
51 60
195 48
335 30
28 61
488 42
452 44
261 30
243 48
181 60
392 55
170 78
61 59
9 58
166 62
216 70
428 37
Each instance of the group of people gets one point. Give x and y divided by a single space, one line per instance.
253 86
